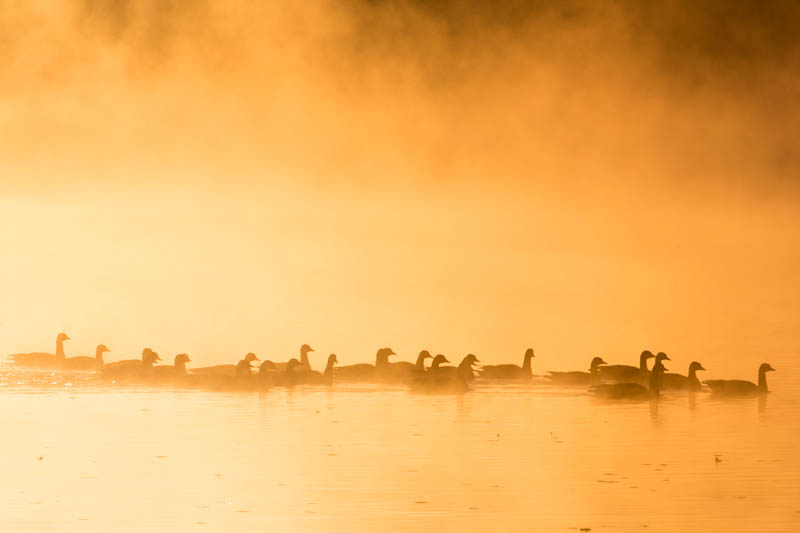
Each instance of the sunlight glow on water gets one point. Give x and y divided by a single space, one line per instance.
515 458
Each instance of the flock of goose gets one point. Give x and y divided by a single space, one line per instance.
609 381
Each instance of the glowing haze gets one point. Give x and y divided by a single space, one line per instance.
221 177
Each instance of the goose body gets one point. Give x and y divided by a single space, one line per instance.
577 377
441 380
87 363
678 382
738 387
627 373
317 378
365 372
632 391
42 359
178 370
464 369
406 369
132 369
227 370
509 371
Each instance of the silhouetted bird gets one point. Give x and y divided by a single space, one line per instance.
627 373
509 371
42 359
633 391
404 369
577 377
380 371
315 378
88 363
225 370
737 387
177 370
132 370
679 382
464 369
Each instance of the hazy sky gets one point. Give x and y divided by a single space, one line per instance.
220 177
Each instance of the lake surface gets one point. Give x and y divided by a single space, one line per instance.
76 457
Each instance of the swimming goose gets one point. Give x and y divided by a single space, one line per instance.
510 371
177 370
42 359
633 391
130 363
440 379
88 363
464 369
325 378
738 387
288 377
679 382
404 367
131 368
225 370
577 377
245 367
624 373
303 364
365 371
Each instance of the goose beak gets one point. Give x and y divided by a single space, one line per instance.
66 337
701 367
770 369
310 349
391 352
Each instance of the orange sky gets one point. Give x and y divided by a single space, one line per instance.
229 178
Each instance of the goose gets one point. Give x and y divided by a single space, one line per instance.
577 377
303 364
132 368
130 363
224 370
510 371
326 378
406 368
88 363
633 391
738 387
288 377
41 359
440 379
464 369
176 370
245 367
623 373
679 382
366 371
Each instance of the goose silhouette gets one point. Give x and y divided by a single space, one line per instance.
405 370
464 369
226 370
303 365
577 377
365 372
678 382
41 359
178 370
87 363
131 369
443 380
316 378
627 373
632 390
509 371
738 387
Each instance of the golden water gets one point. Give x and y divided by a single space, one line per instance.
500 458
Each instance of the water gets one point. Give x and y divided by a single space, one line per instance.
501 458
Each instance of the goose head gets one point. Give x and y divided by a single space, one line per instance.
182 359
438 360
695 366
764 368
596 361
292 364
250 357
101 349
332 359
267 366
647 354
424 354
304 349
529 353
661 356
62 337
150 357
470 359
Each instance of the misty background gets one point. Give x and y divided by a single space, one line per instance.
222 177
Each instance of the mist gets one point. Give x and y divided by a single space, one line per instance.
220 177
